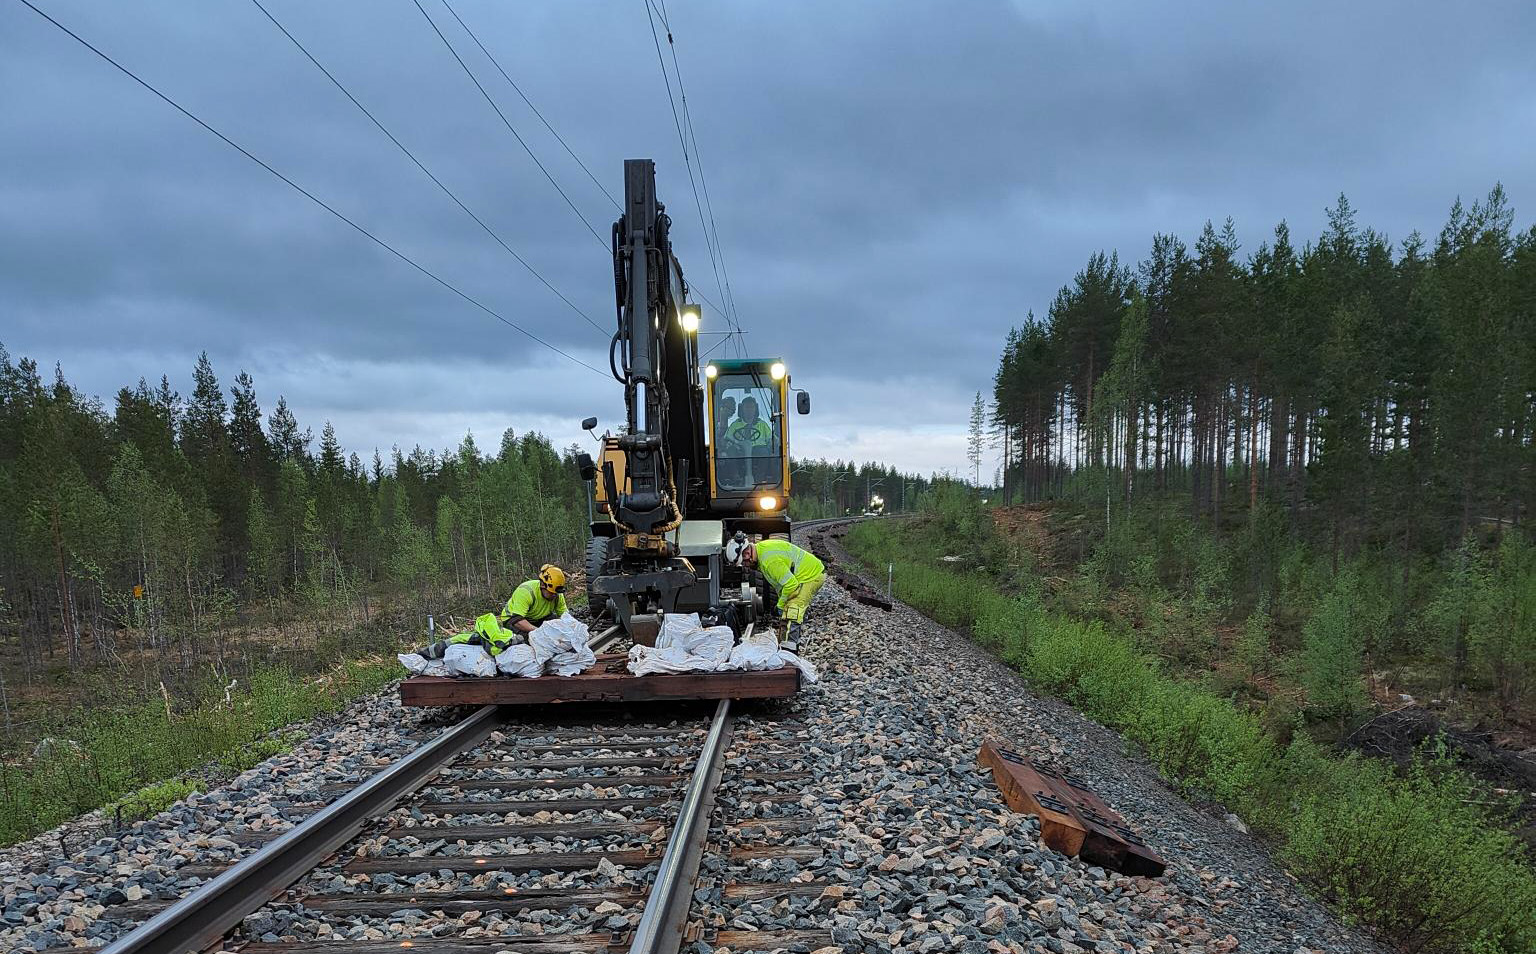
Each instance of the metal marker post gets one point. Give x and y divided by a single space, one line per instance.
890 582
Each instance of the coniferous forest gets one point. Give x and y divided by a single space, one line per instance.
164 524
1350 419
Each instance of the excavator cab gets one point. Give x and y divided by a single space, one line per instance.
749 437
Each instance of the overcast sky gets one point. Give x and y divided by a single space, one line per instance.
895 185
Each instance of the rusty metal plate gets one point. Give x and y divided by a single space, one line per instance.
1073 819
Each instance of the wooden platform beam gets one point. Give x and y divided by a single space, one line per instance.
608 681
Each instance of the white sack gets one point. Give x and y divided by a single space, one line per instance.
463 659
651 660
418 665
758 651
761 651
683 631
520 660
562 643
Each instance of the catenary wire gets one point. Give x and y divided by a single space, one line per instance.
677 121
436 181
300 189
497 63
507 122
677 71
711 230
728 336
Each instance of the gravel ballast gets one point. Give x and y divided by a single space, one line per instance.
902 841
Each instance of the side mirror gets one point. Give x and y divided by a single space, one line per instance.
589 423
585 465
803 402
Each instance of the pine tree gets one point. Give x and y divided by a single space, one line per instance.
976 442
284 435
253 453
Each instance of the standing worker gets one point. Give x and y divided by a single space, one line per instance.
536 601
794 573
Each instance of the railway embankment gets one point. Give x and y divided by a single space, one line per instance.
853 817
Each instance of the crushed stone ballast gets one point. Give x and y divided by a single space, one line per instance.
852 816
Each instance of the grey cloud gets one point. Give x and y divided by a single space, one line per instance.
895 184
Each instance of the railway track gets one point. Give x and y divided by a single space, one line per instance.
532 838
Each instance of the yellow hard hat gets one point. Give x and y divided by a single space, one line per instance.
552 577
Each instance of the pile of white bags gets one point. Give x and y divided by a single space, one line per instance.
684 645
418 665
562 644
520 660
463 659
559 647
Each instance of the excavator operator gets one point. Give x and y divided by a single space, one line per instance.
750 430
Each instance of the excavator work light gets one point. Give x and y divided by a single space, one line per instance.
688 317
710 371
767 502
777 371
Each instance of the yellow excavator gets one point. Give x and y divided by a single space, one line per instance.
703 455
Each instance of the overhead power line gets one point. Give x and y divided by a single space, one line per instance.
428 172
507 122
730 296
709 244
682 123
305 192
496 63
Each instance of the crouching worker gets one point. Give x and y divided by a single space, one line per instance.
488 634
793 573
532 603
536 601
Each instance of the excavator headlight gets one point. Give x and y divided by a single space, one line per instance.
688 317
767 502
710 371
776 371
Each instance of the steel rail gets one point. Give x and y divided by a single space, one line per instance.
665 917
605 639
203 917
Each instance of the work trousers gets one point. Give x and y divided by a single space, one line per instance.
797 596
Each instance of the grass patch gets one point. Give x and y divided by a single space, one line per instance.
134 758
1425 858
152 799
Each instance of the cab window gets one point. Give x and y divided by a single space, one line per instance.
747 441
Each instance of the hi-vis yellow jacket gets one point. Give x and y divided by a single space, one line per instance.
786 566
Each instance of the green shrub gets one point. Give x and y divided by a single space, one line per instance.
1418 858
1209 747
1099 672
1252 646
1332 646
